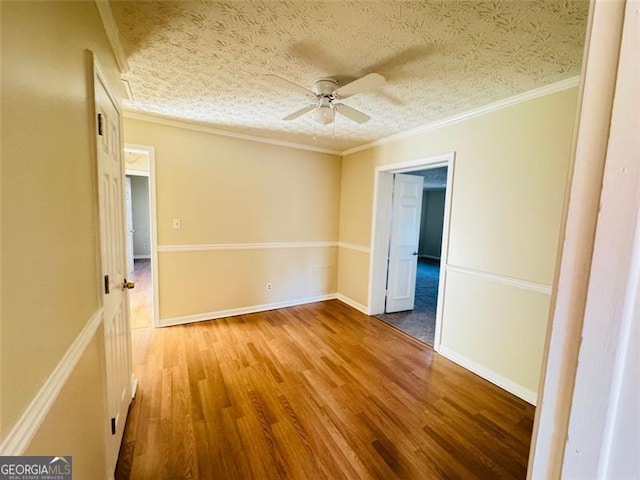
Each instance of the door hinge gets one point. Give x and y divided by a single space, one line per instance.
100 124
113 425
106 284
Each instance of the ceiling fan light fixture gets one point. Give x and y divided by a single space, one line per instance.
326 91
324 115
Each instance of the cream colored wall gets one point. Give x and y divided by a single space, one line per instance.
353 266
49 262
508 188
496 325
76 425
355 227
210 281
231 191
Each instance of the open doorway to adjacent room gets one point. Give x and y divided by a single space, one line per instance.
420 321
141 235
411 216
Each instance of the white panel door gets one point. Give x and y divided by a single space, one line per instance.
112 237
128 206
403 246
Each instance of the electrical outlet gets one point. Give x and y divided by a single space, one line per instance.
268 287
177 224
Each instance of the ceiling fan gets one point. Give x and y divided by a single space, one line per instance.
326 94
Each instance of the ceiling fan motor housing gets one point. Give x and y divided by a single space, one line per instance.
326 91
325 86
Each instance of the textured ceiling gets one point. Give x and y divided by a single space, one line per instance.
207 61
433 177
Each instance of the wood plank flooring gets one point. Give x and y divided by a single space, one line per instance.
319 391
141 298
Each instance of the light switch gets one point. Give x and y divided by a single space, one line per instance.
177 224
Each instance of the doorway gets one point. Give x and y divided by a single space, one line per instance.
417 317
410 244
141 235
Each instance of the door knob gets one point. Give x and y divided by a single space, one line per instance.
128 285
414 253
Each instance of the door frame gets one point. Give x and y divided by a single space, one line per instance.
153 221
381 231
128 215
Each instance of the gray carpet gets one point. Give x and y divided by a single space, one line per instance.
420 322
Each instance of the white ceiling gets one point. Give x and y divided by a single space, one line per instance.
206 61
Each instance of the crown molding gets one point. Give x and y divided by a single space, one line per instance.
127 88
111 29
200 127
476 112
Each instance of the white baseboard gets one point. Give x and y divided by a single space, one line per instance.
352 303
18 439
510 386
142 257
201 317
134 386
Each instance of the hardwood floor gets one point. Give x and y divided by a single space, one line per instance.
140 298
319 391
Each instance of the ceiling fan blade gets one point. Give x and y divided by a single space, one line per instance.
299 113
291 86
352 113
364 84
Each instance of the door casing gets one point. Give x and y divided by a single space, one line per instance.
129 225
153 221
381 229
